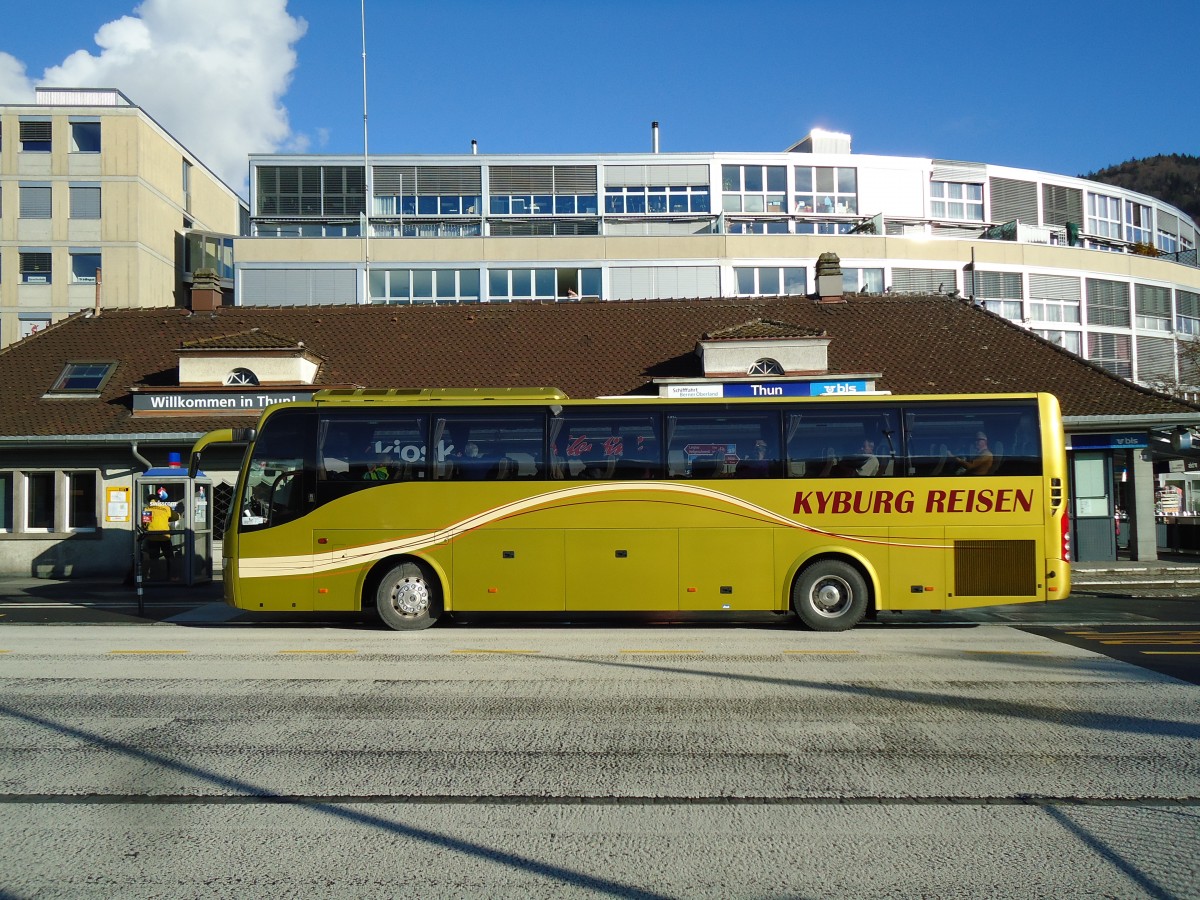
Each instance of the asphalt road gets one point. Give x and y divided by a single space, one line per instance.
502 760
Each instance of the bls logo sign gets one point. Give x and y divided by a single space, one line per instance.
842 387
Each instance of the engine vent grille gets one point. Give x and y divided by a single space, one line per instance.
995 568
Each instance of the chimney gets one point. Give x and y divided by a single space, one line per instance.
829 279
206 290
474 147
653 137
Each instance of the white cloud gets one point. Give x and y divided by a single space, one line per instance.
213 74
15 87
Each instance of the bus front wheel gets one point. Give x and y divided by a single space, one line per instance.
830 595
407 599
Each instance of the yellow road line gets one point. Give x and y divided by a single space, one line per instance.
146 652
508 652
5 651
1009 652
819 652
324 650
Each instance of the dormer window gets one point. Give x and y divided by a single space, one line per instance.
241 378
765 366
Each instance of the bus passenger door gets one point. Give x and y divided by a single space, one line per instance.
726 568
508 569
622 569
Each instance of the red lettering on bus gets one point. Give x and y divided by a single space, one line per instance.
935 501
1024 499
984 500
841 502
956 497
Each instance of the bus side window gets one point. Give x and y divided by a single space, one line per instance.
619 444
490 445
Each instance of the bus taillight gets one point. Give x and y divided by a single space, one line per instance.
1066 536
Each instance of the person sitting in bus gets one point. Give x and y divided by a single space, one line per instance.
380 469
865 464
477 464
758 465
979 463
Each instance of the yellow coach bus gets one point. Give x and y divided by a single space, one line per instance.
420 503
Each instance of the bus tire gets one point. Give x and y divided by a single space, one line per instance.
830 595
407 598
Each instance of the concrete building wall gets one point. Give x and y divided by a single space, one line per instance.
143 210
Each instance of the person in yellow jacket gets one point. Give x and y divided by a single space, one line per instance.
161 519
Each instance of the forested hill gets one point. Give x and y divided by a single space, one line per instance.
1173 178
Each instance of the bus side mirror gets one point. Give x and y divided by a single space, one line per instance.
193 465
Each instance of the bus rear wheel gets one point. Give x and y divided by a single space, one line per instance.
407 598
830 595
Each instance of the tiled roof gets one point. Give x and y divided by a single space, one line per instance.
762 329
253 339
920 345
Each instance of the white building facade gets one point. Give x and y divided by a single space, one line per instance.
1106 273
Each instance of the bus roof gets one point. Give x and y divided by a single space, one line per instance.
440 395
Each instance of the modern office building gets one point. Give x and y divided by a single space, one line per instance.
95 200
1109 274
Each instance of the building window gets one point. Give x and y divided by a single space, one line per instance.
862 281
39 501
826 190
1108 303
82 500
1051 310
1104 216
6 502
32 323
1152 305
35 136
1068 340
1167 242
427 205
1187 306
771 281
85 201
542 204
241 377
1000 292
765 366
505 285
84 266
1139 223
656 200
46 501
85 377
754 189
35 267
1112 352
958 200
85 137
1054 298
823 227
36 201
424 286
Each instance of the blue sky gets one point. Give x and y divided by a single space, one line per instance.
1058 87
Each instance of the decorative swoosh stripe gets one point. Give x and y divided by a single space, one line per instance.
304 564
